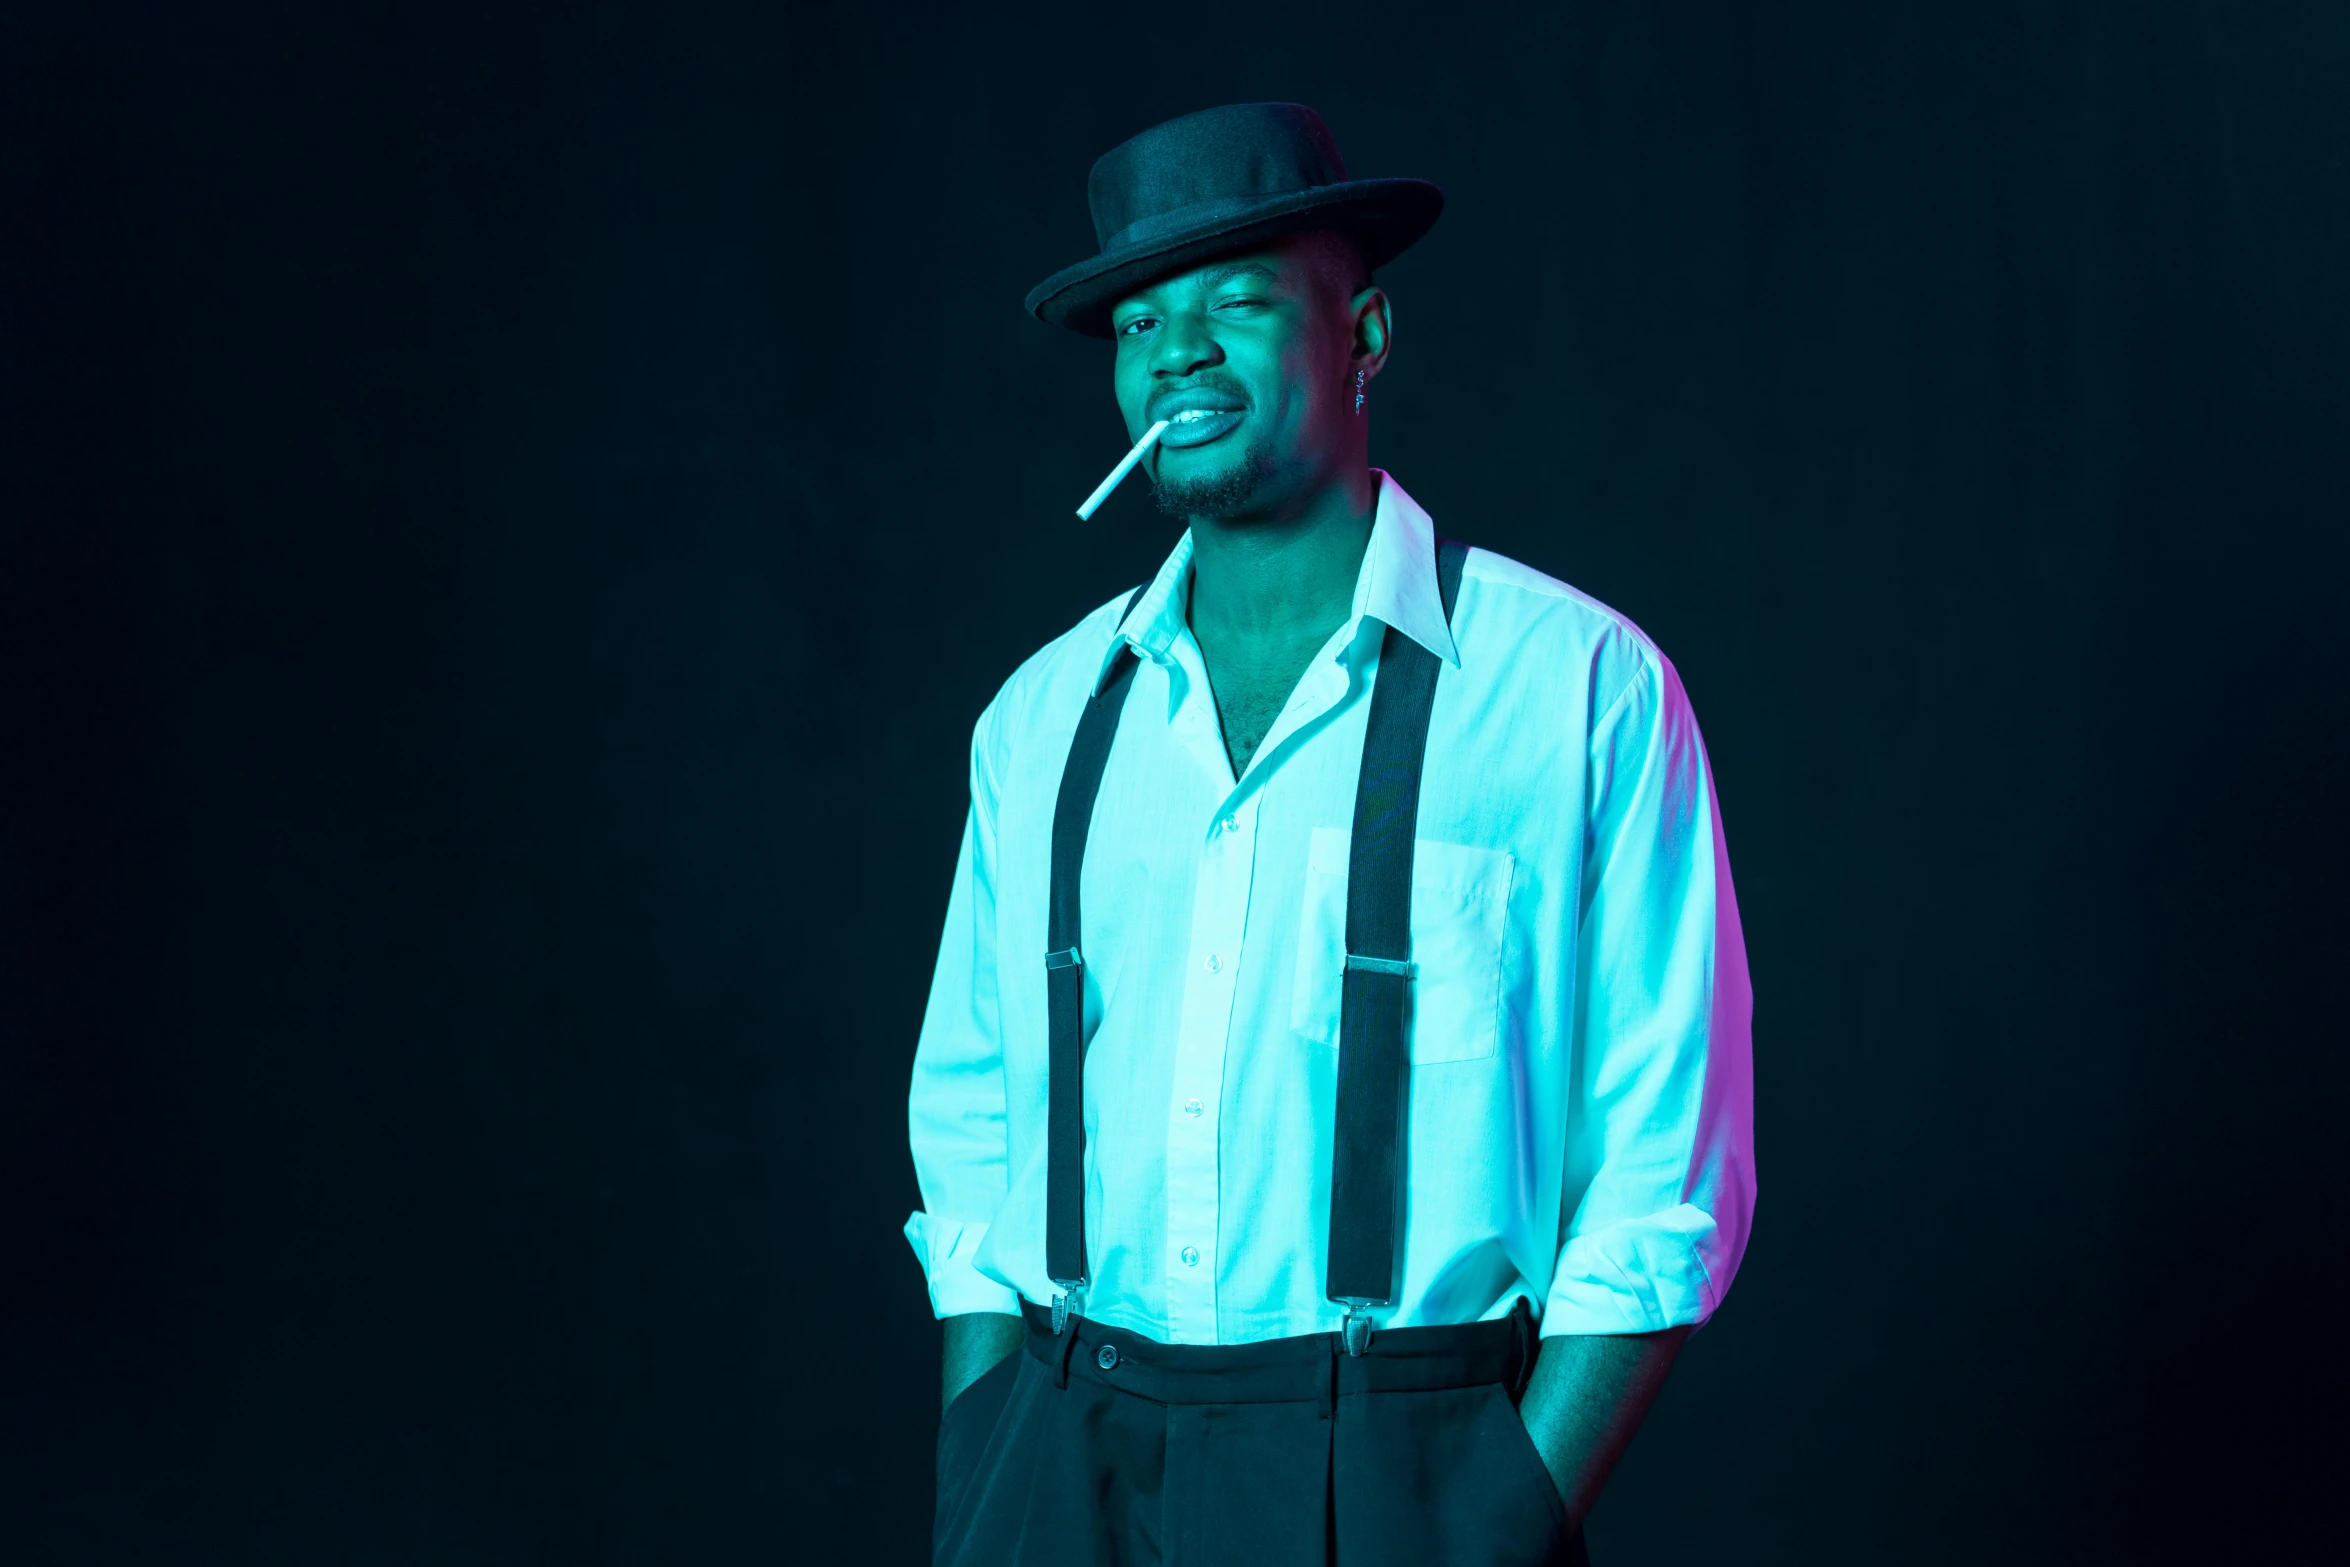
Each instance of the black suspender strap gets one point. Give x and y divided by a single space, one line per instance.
1064 981
1366 1188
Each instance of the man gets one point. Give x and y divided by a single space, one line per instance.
1341 974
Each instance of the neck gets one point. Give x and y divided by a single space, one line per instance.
1285 572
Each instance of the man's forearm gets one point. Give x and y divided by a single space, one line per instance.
1587 1398
975 1344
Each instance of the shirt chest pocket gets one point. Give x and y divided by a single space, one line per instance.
1460 904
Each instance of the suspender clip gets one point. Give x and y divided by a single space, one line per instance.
1065 1302
1067 957
1357 1327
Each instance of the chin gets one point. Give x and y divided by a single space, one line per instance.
1218 486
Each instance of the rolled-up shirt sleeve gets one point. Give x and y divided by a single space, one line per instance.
955 1111
1659 1168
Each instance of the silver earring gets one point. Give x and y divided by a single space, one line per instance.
1358 393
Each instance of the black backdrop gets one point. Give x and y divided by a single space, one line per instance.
509 519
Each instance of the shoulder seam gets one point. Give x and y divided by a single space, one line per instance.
1615 708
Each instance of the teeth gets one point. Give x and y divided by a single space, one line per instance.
1194 415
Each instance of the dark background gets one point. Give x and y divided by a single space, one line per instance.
510 517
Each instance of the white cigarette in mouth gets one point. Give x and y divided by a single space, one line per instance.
1126 466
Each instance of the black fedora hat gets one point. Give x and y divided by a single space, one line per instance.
1218 181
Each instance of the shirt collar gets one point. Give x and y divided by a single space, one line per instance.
1396 586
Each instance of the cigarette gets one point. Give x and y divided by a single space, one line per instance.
1125 466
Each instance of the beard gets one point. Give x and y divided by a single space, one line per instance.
1215 495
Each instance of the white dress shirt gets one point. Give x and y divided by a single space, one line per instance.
1580 1125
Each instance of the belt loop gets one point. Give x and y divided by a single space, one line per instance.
1068 1342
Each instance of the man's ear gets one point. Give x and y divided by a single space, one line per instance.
1374 329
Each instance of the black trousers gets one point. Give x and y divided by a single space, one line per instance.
1102 1448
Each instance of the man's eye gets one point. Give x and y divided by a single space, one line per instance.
1230 300
1137 326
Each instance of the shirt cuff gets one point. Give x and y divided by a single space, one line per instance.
945 1248
1641 1276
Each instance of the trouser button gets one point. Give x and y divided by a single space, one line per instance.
1106 1357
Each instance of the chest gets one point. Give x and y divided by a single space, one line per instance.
1215 911
1252 679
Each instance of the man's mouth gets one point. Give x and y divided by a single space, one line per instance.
1197 423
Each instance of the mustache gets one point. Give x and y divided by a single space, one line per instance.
1167 396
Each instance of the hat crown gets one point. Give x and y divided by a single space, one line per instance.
1217 157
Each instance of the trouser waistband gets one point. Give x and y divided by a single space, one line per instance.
1309 1366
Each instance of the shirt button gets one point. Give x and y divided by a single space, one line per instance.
1231 824
1215 964
1106 1357
1192 1107
1191 1256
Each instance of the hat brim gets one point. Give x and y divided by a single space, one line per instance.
1386 218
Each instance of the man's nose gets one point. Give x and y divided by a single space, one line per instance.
1185 344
